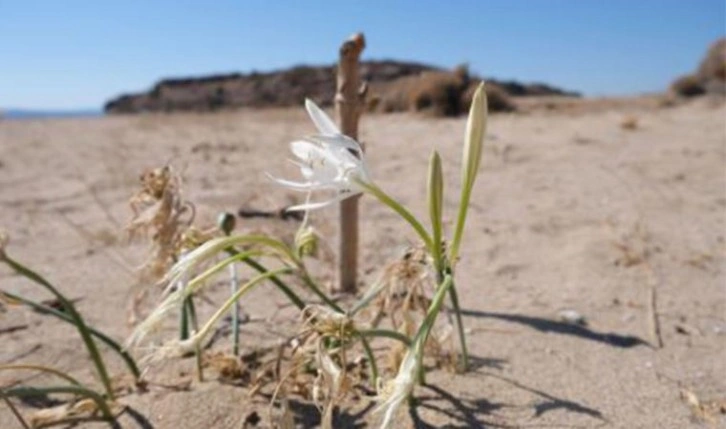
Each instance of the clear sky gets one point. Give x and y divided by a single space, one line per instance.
65 54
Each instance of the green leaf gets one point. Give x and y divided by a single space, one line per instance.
435 202
76 318
473 143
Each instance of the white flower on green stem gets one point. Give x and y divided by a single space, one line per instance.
329 161
334 162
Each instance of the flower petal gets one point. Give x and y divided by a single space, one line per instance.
306 171
323 123
305 149
313 206
317 165
304 186
339 140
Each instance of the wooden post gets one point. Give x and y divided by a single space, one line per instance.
349 103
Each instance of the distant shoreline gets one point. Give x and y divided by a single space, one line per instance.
15 114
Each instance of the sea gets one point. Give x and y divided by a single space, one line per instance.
12 114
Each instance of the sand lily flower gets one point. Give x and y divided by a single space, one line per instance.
328 161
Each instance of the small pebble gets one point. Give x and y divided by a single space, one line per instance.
572 317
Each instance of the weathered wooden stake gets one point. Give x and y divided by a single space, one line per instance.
349 103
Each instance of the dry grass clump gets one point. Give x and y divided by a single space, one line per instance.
320 364
323 344
390 97
499 100
708 412
688 86
161 212
405 296
630 123
439 93
435 93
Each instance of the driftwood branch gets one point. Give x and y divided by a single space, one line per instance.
282 214
349 102
656 338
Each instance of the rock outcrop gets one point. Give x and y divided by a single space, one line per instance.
709 78
394 86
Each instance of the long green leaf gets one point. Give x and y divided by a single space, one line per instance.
435 198
386 333
24 392
44 309
299 303
460 328
473 144
77 320
57 373
224 308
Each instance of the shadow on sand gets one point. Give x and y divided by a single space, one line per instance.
480 413
307 416
546 325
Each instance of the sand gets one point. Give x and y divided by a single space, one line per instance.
571 212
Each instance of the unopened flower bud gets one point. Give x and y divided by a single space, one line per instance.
306 242
226 222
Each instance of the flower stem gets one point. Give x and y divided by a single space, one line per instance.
317 291
386 333
235 310
454 296
226 223
191 311
292 296
398 208
184 319
198 358
371 358
432 313
460 327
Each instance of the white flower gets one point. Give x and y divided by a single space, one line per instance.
328 161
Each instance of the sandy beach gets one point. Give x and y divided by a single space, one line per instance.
575 210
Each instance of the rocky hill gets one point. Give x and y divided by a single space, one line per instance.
709 77
394 86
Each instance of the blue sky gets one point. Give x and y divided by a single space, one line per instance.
77 54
